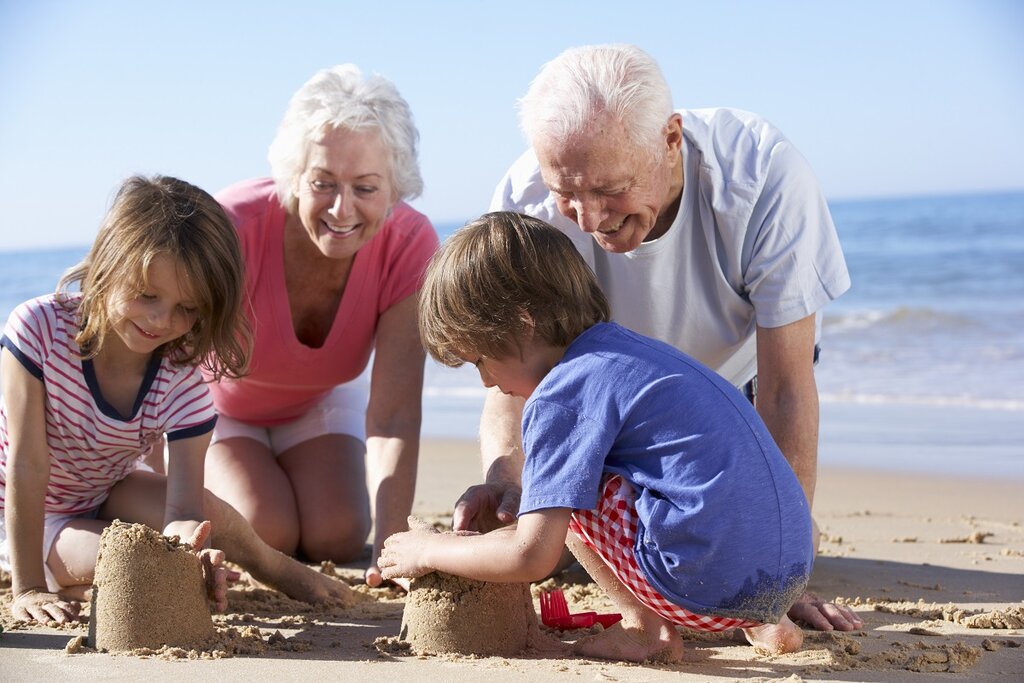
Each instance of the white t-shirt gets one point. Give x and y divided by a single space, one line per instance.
753 243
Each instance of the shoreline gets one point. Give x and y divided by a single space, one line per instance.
916 555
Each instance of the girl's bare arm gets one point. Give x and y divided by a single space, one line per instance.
28 474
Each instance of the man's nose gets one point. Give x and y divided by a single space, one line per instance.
590 212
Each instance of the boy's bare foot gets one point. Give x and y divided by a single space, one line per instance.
775 639
659 642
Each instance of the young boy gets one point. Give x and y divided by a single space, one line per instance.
680 504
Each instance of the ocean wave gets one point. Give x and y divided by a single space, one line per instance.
1009 405
902 317
475 394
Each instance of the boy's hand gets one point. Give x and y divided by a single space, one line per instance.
403 554
214 571
43 607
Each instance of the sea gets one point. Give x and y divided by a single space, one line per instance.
922 363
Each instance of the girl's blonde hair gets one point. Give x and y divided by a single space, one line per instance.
500 276
163 216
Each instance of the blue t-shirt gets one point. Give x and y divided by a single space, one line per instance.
723 525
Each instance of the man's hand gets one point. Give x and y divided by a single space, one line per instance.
824 616
486 507
43 607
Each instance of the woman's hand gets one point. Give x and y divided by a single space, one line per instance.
215 573
44 607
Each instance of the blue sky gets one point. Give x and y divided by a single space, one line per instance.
884 98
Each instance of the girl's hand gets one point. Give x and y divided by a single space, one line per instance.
43 607
214 571
403 555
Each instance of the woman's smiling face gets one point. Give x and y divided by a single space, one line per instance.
345 193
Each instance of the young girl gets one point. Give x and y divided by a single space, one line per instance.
94 380
680 504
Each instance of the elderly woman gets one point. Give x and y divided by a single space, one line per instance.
334 259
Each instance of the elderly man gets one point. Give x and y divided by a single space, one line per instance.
706 229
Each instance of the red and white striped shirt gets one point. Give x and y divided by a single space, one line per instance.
91 446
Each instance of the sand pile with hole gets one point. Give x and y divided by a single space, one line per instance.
148 592
447 614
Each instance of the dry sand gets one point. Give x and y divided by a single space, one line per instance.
934 566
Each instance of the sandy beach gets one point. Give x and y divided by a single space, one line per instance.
933 564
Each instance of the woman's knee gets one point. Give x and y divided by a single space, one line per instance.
339 539
276 525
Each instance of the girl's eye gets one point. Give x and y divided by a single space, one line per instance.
188 310
147 296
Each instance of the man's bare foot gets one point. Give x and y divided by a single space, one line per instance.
659 642
775 639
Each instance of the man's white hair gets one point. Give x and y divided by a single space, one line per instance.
583 82
339 97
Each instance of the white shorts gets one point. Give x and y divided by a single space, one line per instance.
343 411
52 526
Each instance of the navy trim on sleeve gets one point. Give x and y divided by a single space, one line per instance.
197 430
35 370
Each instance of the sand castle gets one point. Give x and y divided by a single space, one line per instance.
148 592
447 614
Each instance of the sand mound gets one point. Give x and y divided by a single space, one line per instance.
148 592
447 614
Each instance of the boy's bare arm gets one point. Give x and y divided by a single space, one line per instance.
527 551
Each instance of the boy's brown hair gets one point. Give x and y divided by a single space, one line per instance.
158 216
497 277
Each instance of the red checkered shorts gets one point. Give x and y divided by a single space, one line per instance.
610 531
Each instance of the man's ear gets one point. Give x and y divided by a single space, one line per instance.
674 135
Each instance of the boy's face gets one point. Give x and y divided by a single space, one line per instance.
519 373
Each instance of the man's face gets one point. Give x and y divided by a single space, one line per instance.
608 187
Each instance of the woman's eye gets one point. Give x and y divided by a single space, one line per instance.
321 185
366 189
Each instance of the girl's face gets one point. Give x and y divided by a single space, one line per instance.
345 193
163 311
